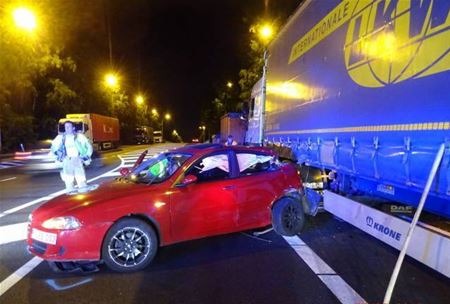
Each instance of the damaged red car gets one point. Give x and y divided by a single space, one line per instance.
184 194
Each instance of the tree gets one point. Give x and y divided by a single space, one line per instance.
249 76
27 61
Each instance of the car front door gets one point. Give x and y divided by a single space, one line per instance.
208 206
259 183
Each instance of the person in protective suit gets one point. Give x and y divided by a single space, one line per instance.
73 150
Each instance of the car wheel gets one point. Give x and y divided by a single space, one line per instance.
129 245
288 217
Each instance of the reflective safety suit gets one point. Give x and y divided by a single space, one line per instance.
72 149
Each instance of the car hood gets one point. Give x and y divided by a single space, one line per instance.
79 203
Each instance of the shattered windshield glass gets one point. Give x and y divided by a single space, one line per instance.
158 168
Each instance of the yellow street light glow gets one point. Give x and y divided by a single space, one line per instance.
24 18
154 112
111 80
139 99
167 116
266 32
229 84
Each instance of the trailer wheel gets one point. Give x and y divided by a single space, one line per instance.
288 217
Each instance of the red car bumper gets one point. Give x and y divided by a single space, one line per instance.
67 245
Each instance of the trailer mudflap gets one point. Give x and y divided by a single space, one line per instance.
427 246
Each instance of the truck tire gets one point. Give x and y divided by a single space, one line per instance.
288 217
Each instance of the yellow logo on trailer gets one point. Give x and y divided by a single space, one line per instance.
387 41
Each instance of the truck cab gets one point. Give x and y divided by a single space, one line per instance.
157 137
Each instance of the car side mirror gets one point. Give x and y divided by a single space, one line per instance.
187 180
124 171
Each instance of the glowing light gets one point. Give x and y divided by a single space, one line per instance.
167 116
265 32
385 47
111 80
229 84
24 18
139 99
159 204
292 90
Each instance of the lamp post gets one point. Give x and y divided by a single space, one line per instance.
265 33
202 128
166 117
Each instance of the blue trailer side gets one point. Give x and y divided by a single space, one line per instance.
361 89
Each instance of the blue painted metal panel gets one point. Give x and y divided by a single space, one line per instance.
362 88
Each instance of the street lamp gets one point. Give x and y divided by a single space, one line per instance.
265 33
167 117
24 18
111 80
139 99
229 84
202 128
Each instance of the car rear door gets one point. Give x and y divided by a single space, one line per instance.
208 206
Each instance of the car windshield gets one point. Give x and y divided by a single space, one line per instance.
158 168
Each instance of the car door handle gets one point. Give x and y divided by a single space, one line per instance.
230 187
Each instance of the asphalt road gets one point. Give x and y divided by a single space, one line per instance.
330 262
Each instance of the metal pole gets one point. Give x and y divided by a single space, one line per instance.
437 161
263 100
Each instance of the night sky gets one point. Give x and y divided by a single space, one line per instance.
179 52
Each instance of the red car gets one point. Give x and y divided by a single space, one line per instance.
184 194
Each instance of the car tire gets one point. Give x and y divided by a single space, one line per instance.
130 245
288 217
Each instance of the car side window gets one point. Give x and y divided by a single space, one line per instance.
211 168
253 163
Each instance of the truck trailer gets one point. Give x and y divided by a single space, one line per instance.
233 124
102 131
357 93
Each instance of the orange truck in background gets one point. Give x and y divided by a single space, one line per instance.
233 124
102 131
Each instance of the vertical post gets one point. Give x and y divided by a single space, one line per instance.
162 129
262 119
437 161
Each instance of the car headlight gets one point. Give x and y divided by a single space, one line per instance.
62 222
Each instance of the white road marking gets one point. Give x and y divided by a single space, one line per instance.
19 274
45 198
112 174
7 179
344 292
13 233
341 289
